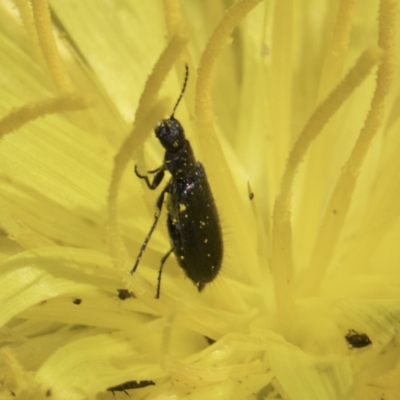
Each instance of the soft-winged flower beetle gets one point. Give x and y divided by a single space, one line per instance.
129 385
192 221
124 294
357 340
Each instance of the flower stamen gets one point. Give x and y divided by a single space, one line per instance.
31 111
282 258
340 201
51 54
173 16
281 77
218 40
335 56
25 12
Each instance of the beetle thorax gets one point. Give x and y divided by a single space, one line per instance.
181 163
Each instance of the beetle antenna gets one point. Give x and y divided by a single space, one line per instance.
182 91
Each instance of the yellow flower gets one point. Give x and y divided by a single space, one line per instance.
292 107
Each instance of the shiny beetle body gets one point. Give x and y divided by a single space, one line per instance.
357 340
192 221
129 385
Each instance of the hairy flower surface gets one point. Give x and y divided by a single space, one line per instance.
293 109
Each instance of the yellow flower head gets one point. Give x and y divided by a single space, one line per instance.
293 109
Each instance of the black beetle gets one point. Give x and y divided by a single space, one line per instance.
124 294
193 223
123 387
357 340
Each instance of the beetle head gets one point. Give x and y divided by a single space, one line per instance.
170 133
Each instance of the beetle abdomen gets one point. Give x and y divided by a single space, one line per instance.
194 227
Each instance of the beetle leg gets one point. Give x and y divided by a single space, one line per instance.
159 204
163 260
157 178
174 233
153 171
